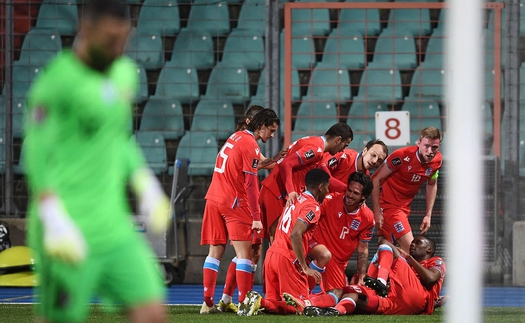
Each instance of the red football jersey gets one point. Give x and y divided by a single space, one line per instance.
309 151
341 231
439 264
399 189
305 209
341 165
239 155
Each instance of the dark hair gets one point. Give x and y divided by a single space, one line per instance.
377 142
265 117
314 177
96 9
340 129
364 180
249 114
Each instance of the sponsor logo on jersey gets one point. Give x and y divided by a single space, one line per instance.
407 159
332 162
319 150
355 225
396 161
398 226
310 215
340 214
409 168
309 154
257 151
428 171
255 162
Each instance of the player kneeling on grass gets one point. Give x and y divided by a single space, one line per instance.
398 283
285 266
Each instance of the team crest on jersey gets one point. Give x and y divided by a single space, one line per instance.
310 215
39 114
309 154
355 225
332 162
398 226
428 171
255 163
439 262
396 162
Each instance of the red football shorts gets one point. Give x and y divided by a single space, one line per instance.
280 276
271 209
395 224
406 296
334 276
221 221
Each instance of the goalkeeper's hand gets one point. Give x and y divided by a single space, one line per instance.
153 202
62 238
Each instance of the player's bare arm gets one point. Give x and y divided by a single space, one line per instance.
268 163
381 174
431 193
296 238
362 261
428 277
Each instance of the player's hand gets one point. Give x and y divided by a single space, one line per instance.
62 238
379 221
425 224
314 273
291 198
257 226
280 155
153 202
357 279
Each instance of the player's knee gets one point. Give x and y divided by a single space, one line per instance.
385 247
337 294
323 258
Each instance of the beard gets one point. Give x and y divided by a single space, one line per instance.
99 60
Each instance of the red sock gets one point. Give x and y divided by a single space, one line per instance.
231 281
209 278
324 300
372 270
244 277
385 258
277 307
345 306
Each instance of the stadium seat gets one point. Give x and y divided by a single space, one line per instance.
23 75
364 21
360 140
163 115
329 83
380 83
490 84
211 17
18 166
314 118
397 46
228 83
362 116
244 48
180 83
296 85
193 48
143 85
39 46
201 149
422 114
345 49
428 81
303 52
310 22
253 17
18 109
159 17
214 116
2 151
59 15
488 120
435 52
154 150
417 21
146 49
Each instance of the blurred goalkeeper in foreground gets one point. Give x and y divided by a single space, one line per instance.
79 160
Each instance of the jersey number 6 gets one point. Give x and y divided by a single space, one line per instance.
222 154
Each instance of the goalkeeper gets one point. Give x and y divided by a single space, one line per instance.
79 160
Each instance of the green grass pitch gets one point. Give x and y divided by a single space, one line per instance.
14 313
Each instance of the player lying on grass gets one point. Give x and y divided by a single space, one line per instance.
346 225
348 161
398 283
285 266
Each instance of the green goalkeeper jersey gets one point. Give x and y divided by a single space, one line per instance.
77 144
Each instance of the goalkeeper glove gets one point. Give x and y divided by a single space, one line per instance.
62 237
153 202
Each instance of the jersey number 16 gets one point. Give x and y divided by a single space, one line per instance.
287 219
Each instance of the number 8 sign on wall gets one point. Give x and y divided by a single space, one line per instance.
393 127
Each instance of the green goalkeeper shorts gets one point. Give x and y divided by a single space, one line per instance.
125 275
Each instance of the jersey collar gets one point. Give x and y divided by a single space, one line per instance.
249 132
